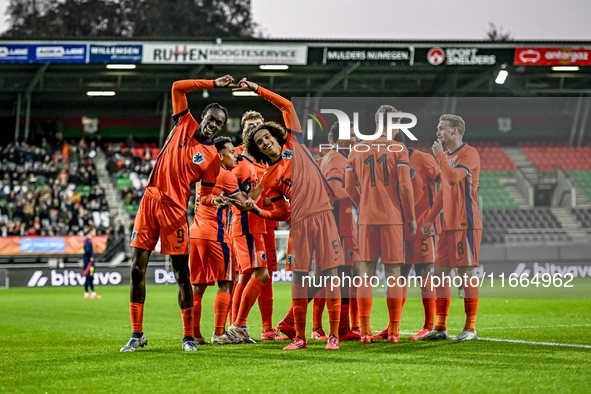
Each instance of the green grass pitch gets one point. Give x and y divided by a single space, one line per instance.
53 340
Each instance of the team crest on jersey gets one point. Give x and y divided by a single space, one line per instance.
264 256
287 154
452 162
134 235
413 172
290 259
350 254
198 158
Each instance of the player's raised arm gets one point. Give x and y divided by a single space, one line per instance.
452 175
180 88
284 105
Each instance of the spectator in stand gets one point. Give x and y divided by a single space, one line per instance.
32 188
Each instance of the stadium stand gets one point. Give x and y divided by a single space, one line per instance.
550 156
583 215
47 190
582 180
521 225
129 170
493 192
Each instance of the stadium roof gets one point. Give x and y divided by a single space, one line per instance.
326 68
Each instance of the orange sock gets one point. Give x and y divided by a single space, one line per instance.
404 295
221 305
428 295
365 301
289 318
187 315
395 304
344 326
317 310
333 304
236 299
266 305
249 296
354 308
471 307
300 309
136 312
442 302
197 315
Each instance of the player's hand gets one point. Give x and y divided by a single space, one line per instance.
246 86
413 227
227 81
251 206
221 201
437 147
427 228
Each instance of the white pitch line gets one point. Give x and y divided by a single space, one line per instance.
526 342
523 327
536 343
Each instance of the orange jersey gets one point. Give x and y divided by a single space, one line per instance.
181 162
311 191
333 166
239 149
460 172
246 222
211 222
260 170
424 173
377 173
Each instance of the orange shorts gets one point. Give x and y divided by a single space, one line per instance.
250 252
210 261
316 235
458 248
156 219
419 250
270 249
350 249
382 240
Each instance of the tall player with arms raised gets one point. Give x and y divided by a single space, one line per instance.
459 241
313 228
265 300
385 200
187 156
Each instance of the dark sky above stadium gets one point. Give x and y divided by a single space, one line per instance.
417 19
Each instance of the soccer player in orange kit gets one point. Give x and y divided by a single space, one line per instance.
333 166
419 250
459 241
210 259
385 201
249 247
187 156
313 228
265 299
